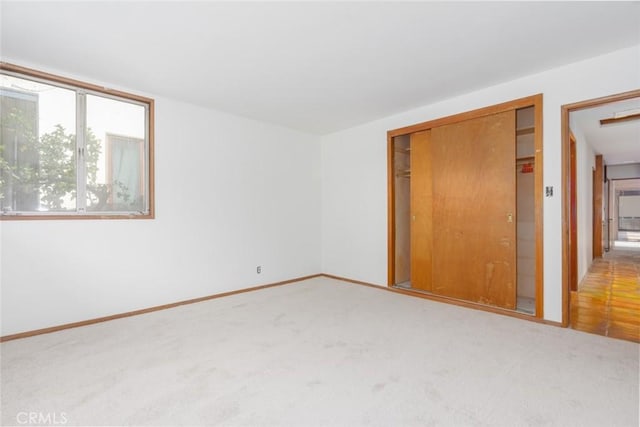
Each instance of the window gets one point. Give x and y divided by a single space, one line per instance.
629 210
72 150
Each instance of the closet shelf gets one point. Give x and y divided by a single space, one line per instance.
525 131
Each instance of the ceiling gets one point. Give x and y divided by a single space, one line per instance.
314 66
619 143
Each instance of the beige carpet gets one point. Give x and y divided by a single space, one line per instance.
320 353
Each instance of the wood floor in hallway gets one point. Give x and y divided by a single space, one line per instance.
608 299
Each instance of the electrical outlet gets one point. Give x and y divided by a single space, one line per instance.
259 269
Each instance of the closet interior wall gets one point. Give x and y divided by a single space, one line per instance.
402 184
525 210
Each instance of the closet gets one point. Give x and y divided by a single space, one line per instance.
464 220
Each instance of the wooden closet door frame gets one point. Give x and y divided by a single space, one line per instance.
573 213
529 101
597 191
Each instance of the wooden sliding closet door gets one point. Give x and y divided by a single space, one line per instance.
474 208
421 201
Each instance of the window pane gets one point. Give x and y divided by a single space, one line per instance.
629 211
37 146
115 155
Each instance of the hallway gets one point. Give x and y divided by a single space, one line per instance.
608 299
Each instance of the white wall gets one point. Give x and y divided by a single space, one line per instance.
354 168
585 164
231 194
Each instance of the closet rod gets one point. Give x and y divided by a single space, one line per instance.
525 158
525 131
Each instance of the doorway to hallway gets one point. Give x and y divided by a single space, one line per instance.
601 249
